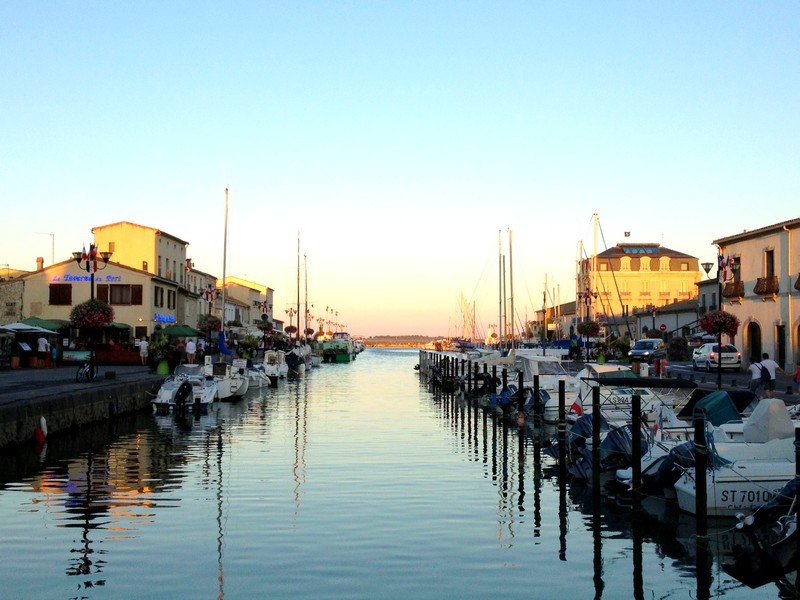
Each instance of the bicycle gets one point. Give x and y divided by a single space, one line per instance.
86 372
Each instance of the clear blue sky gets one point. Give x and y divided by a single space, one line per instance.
398 138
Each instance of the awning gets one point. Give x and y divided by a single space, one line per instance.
116 325
25 328
44 323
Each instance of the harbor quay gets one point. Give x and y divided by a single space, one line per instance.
29 395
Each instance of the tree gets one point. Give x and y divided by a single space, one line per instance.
716 322
208 323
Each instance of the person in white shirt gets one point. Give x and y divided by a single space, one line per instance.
773 368
191 350
143 346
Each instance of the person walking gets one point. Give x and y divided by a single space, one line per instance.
42 348
755 375
191 349
143 349
773 368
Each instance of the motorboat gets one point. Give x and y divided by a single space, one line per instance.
618 385
232 378
188 388
748 473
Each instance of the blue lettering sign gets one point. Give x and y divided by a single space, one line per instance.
164 318
113 278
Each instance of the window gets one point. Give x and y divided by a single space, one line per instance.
684 266
625 264
644 263
61 294
171 297
663 263
604 266
144 265
159 265
158 296
769 263
120 294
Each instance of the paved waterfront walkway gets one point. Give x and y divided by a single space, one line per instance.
29 384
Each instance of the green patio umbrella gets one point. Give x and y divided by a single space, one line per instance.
181 331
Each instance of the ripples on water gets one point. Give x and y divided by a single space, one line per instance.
354 482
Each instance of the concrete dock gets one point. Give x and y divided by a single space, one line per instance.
27 395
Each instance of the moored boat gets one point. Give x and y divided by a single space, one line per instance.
187 388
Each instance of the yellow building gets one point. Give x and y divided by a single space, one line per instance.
628 277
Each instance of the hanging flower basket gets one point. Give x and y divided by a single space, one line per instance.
588 328
93 314
716 322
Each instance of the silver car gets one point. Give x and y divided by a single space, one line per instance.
708 356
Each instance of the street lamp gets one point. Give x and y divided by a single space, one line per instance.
88 262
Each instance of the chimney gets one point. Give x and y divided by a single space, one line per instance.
39 263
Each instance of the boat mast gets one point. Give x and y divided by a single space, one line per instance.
511 283
305 285
298 286
594 268
500 283
224 258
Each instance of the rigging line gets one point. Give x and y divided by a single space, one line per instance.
614 277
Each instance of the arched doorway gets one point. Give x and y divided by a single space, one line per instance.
753 340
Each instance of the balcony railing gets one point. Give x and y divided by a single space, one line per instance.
766 287
734 291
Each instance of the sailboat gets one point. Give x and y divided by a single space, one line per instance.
232 378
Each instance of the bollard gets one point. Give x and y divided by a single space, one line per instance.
538 409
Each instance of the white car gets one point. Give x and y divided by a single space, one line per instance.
708 356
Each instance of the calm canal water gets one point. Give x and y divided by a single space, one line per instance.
353 482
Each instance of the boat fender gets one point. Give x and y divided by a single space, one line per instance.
40 433
520 419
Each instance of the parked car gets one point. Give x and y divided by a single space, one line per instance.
708 356
647 350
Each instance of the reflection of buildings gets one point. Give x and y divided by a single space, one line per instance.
107 487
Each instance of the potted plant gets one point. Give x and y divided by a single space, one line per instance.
157 353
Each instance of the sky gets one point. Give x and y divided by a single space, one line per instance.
403 143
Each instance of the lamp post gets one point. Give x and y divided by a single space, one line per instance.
88 262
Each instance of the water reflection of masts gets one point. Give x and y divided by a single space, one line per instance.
300 443
220 529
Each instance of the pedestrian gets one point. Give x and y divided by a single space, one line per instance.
755 375
53 355
41 350
47 355
201 349
797 378
191 349
773 368
143 347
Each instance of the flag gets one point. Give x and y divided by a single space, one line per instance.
222 346
576 408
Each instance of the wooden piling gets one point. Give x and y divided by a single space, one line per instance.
636 439
700 473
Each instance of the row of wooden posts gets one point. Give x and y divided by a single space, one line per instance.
453 368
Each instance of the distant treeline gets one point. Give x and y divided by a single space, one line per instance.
398 340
